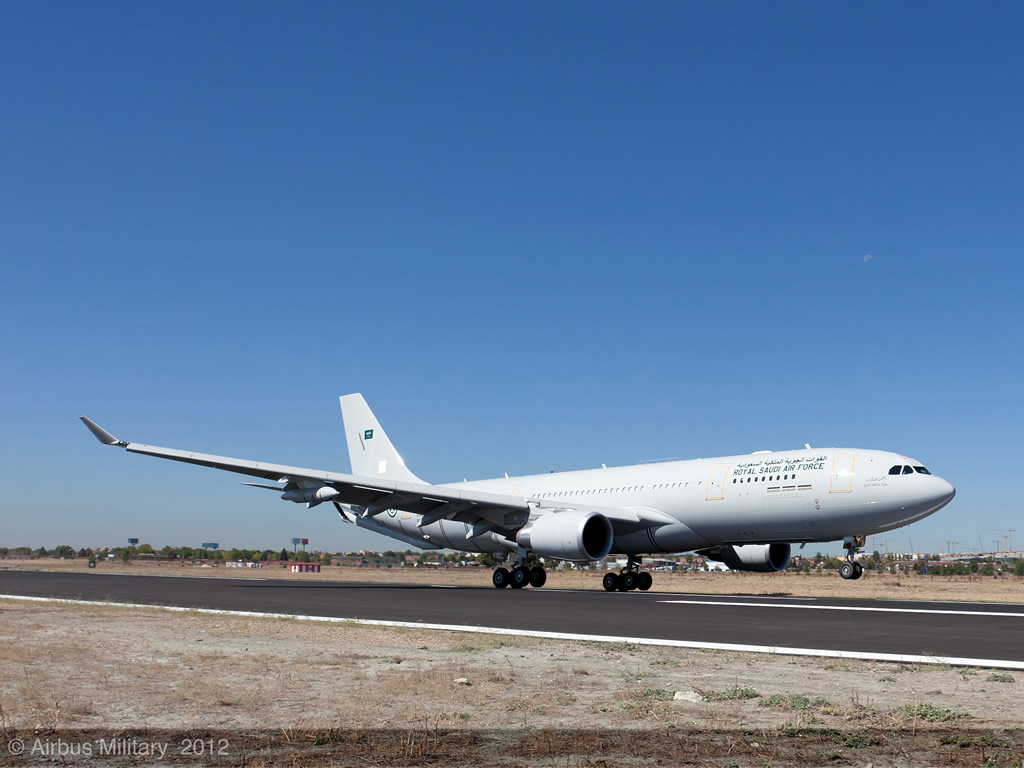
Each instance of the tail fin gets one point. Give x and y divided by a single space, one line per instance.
369 450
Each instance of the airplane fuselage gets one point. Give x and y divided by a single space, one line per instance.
810 495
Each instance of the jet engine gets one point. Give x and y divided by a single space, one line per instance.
764 558
577 536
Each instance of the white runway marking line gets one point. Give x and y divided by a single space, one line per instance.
847 608
770 649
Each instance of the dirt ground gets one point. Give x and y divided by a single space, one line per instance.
1003 589
119 683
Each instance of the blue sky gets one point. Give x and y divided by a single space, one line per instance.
535 236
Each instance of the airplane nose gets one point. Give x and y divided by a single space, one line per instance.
945 492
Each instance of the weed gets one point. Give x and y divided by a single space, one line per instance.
658 693
887 679
852 740
966 740
927 712
1000 677
617 645
729 694
795 701
664 663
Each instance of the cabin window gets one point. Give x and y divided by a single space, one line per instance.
921 471
895 470
908 471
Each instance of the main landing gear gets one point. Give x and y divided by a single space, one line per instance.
851 569
520 576
630 578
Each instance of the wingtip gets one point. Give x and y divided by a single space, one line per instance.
100 433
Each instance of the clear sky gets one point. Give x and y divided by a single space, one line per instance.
537 235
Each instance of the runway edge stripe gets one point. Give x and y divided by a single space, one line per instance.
773 650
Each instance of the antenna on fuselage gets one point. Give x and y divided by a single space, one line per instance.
807 446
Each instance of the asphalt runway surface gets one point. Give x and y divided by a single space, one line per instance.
965 630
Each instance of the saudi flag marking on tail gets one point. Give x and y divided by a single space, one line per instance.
368 434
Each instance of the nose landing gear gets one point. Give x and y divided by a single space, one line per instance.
851 569
630 578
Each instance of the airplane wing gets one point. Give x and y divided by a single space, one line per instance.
368 495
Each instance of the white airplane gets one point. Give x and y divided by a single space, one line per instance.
744 511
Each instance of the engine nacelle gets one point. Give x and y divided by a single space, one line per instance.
763 558
576 536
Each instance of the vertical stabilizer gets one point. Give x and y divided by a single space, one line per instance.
369 450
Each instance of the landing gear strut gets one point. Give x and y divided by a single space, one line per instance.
851 569
520 576
630 578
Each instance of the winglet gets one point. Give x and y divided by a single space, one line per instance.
101 434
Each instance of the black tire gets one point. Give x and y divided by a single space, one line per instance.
520 577
500 578
858 571
644 581
629 581
846 570
610 582
538 577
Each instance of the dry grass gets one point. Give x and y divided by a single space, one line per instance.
344 694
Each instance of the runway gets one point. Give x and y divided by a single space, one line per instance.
989 634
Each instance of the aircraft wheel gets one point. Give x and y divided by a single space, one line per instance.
538 576
500 578
858 571
644 581
520 577
846 570
629 581
610 582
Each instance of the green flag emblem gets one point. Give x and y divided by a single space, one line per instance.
368 434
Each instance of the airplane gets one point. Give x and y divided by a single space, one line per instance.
745 511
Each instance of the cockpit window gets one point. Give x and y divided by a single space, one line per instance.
921 471
895 470
907 470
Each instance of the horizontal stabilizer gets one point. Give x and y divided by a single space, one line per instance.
101 434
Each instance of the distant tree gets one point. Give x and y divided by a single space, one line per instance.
973 567
85 552
64 550
988 570
126 555
284 555
146 549
302 557
486 560
41 552
1018 568
326 558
